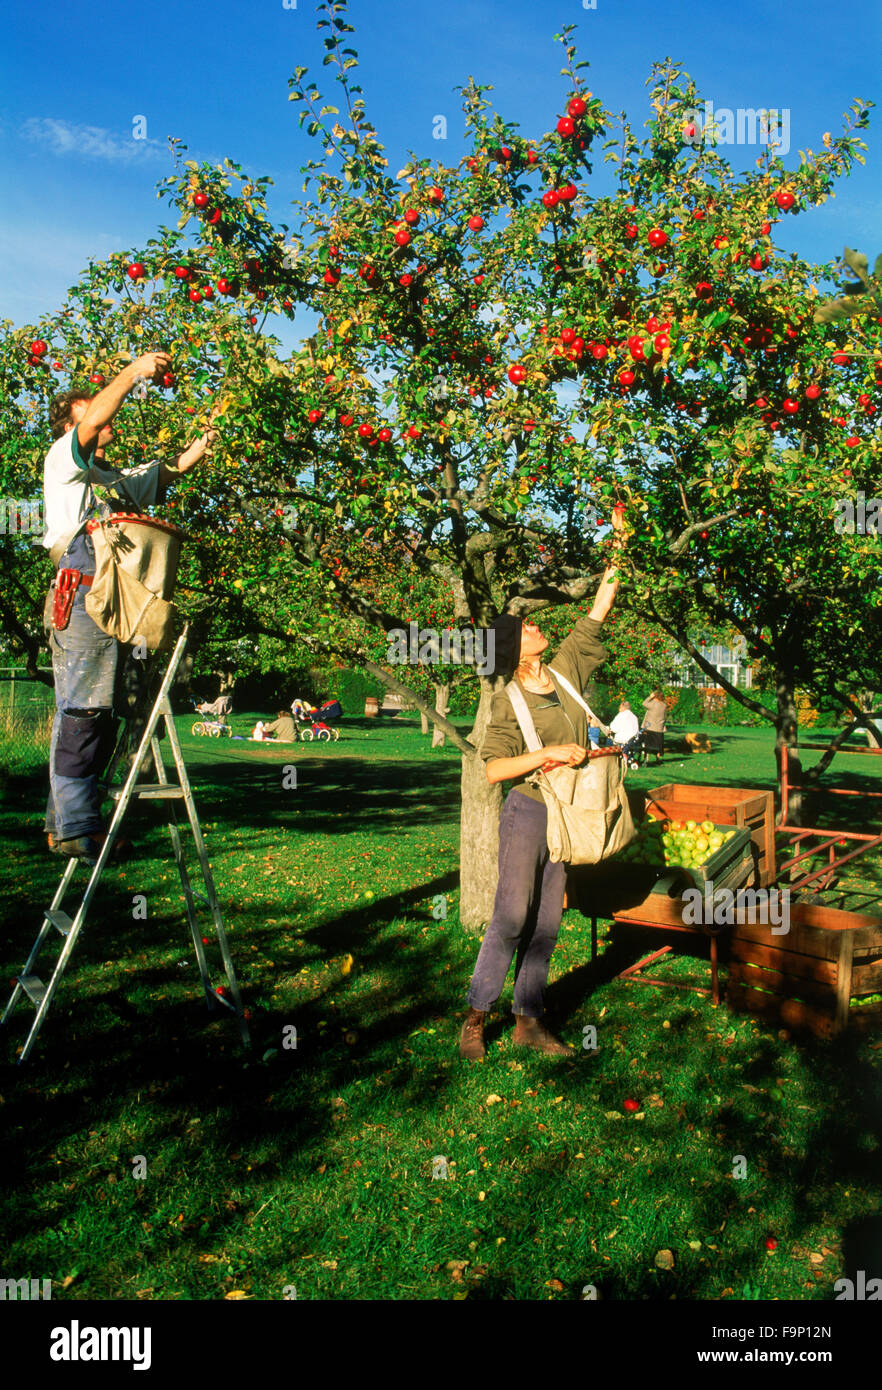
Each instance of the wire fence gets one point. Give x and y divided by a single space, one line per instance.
27 706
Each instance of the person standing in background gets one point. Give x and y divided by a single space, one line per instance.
654 724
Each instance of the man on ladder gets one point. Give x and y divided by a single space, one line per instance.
87 663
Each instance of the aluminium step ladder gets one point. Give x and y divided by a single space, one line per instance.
28 984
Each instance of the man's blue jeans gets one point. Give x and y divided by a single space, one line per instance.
84 664
526 913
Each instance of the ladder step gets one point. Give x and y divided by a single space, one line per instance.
33 987
151 791
59 920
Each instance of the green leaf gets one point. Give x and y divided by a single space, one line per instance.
857 261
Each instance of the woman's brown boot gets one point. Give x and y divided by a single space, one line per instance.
471 1038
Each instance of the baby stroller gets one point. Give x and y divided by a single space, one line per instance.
214 721
634 752
315 719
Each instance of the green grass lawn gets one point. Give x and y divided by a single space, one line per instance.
313 1166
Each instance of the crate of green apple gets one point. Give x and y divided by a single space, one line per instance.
697 851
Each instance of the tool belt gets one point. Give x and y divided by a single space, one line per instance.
65 588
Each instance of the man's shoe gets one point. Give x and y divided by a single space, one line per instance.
88 847
529 1032
471 1038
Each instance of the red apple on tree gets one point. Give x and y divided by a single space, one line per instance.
411 216
436 194
476 222
135 271
200 200
576 107
785 199
565 127
657 238
314 416
517 374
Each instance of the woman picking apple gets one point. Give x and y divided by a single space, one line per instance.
529 897
85 660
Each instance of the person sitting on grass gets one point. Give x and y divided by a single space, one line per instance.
281 728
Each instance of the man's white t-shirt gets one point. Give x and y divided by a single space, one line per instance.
625 726
67 487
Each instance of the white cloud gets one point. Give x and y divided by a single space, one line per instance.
91 142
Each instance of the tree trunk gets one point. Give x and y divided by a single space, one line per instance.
424 723
442 702
787 735
479 829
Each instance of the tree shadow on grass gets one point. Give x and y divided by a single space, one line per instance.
112 1049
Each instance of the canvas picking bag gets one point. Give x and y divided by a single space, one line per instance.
589 818
136 565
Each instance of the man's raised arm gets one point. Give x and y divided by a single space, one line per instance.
102 408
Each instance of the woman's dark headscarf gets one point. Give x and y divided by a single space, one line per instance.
502 643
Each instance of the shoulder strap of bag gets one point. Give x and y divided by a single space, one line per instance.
524 717
571 690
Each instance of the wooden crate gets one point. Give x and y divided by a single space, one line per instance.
807 978
744 806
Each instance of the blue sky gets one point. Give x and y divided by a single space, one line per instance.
74 77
